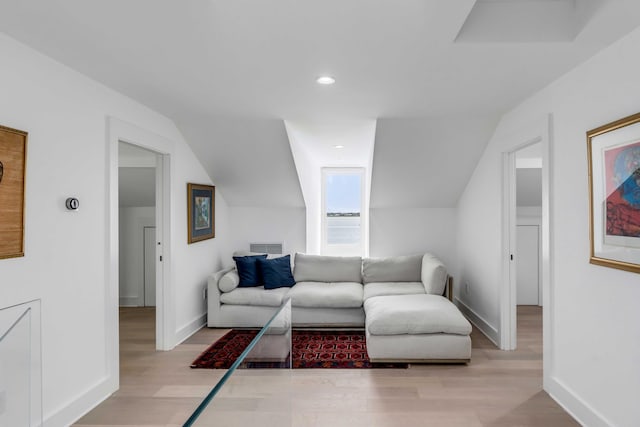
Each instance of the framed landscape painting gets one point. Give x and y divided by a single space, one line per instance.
614 187
201 212
13 156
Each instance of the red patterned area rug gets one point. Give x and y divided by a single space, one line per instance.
311 349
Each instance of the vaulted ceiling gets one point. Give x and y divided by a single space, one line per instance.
436 74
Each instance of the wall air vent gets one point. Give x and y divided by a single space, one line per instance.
266 248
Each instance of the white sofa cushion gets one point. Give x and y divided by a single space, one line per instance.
434 275
256 296
322 295
392 288
317 268
414 314
392 269
229 281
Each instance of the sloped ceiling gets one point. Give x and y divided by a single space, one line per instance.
229 72
249 158
426 162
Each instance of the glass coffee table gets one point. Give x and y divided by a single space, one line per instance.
259 378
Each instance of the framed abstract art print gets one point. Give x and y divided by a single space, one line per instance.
201 212
614 189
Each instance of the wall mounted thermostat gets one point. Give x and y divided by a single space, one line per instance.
72 204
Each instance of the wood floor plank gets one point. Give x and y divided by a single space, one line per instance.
497 389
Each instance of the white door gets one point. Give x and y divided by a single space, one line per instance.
149 266
528 268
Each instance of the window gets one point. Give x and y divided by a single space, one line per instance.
342 211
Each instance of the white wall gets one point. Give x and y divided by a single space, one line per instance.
267 225
593 365
408 231
132 223
65 252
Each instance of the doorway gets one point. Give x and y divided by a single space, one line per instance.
162 149
523 203
527 221
137 225
528 251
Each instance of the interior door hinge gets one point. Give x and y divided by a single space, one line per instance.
161 258
511 257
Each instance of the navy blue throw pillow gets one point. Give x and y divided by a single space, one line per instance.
276 272
248 270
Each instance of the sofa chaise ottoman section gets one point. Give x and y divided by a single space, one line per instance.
416 328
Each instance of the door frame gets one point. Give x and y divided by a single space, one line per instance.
540 131
116 131
144 264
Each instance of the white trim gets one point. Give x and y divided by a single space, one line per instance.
528 163
479 322
78 407
580 410
191 328
116 131
546 242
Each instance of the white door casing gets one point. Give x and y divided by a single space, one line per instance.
149 286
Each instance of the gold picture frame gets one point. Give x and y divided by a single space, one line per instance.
201 212
13 166
614 194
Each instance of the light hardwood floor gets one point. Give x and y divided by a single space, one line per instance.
496 389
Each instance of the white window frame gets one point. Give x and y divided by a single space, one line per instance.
343 249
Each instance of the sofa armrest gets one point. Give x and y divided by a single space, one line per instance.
213 296
434 275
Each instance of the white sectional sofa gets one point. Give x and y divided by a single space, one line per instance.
334 291
329 290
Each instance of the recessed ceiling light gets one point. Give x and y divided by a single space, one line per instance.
338 146
325 80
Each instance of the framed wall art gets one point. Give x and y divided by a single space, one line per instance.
614 191
13 157
201 212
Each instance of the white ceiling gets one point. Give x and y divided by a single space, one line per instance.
229 72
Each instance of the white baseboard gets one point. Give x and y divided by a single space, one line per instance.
574 405
477 320
82 404
190 328
129 301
